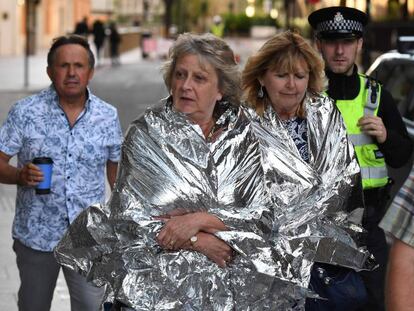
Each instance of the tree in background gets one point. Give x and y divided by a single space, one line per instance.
191 15
167 16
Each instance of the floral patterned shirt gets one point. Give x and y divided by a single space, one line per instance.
297 129
37 127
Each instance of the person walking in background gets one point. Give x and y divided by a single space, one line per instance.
82 28
82 135
98 31
399 221
373 123
114 40
217 28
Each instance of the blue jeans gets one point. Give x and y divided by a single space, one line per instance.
117 306
343 289
38 275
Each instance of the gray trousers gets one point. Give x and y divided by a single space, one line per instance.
38 275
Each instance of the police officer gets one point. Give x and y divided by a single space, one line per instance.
217 28
373 124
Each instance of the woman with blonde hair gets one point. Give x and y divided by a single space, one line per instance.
283 83
284 53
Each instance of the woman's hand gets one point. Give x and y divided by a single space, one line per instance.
178 230
215 249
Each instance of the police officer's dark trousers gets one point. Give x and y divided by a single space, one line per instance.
375 204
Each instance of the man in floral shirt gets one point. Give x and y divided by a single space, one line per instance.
82 134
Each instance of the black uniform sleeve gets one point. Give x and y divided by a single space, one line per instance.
398 146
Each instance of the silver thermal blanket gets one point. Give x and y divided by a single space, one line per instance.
283 214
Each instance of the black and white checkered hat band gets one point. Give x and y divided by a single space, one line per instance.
343 25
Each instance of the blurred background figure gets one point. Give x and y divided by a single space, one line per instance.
114 40
217 28
82 28
98 31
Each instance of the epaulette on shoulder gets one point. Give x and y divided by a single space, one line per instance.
371 81
374 86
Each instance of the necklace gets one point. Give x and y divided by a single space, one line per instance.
213 129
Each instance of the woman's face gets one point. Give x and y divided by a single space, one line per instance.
286 90
195 88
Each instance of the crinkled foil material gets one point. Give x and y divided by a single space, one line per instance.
283 213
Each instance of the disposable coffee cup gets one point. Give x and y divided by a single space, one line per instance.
46 165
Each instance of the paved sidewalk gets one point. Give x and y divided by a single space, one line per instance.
12 70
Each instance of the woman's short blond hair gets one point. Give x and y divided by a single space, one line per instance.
212 50
281 52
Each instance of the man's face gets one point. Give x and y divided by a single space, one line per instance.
70 71
340 54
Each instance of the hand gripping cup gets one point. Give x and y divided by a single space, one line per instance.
46 166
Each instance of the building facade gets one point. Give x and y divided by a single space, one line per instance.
44 20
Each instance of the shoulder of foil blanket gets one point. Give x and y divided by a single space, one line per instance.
249 112
320 97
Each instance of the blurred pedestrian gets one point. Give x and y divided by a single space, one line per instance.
98 31
373 123
82 28
217 28
114 40
82 135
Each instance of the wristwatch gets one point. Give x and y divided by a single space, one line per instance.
193 239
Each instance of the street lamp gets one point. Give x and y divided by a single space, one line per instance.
274 13
250 11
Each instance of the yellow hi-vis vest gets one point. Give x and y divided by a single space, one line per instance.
370 158
217 30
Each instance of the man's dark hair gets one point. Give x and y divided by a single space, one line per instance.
70 39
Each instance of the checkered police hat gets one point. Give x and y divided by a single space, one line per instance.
338 22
